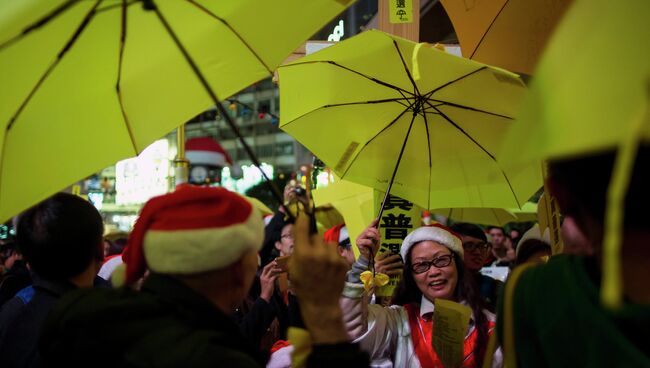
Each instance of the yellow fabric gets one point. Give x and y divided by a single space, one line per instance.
264 210
612 291
353 201
301 341
370 282
74 126
584 102
507 33
589 102
354 138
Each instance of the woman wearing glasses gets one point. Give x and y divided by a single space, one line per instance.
400 335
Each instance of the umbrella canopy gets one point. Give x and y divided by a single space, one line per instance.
87 83
490 216
357 106
507 33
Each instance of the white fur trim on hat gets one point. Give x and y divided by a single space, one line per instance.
432 233
343 234
207 158
199 250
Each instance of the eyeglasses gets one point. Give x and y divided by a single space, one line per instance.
482 246
439 262
287 236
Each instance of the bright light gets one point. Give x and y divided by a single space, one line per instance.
251 177
140 178
97 199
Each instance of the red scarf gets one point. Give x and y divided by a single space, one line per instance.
422 333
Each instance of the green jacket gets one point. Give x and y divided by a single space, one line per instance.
559 322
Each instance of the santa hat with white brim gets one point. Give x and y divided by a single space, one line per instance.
435 233
206 151
192 230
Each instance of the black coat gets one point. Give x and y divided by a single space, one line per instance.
20 324
167 324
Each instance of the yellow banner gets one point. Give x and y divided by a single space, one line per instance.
450 321
401 11
400 217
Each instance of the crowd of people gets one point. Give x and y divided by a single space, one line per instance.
203 281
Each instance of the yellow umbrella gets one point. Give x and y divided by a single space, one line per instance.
490 216
87 83
507 33
591 100
354 202
264 210
359 107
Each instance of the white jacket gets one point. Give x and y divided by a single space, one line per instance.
384 332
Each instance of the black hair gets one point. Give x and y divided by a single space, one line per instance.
60 236
467 229
466 290
581 184
529 247
496 227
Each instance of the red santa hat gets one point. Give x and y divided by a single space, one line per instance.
337 234
192 230
206 151
437 233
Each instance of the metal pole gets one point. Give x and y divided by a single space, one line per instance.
181 164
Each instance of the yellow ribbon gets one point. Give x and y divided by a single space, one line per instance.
414 57
369 281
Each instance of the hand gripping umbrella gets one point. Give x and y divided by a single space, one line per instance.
87 83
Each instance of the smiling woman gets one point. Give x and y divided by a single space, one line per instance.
400 335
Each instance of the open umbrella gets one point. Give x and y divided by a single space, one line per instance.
86 83
359 108
593 100
490 216
507 33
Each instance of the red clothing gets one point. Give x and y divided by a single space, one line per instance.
422 332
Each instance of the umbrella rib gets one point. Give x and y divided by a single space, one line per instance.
207 11
385 84
482 148
375 136
454 81
446 103
39 23
398 100
408 73
488 29
49 70
62 53
113 6
119 76
213 96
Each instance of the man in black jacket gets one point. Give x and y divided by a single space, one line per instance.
61 240
200 246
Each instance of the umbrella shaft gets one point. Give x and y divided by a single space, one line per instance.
392 178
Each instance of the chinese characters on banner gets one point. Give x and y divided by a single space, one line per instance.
399 218
401 11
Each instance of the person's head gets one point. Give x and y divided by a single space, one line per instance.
475 245
434 268
498 237
433 264
284 243
206 237
339 235
533 250
580 185
114 243
8 255
514 234
61 237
